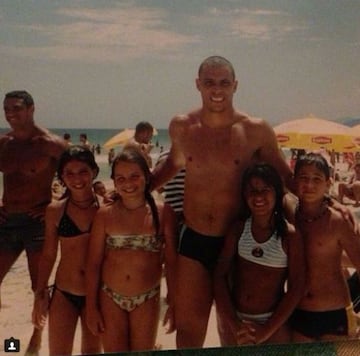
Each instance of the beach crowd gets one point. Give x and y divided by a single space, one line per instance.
235 226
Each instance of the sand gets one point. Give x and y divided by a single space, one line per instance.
15 315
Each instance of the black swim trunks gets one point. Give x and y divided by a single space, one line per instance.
199 247
20 231
315 324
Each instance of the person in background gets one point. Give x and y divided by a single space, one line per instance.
84 142
142 140
130 241
67 139
28 160
262 254
111 156
57 189
173 190
68 223
100 190
351 189
325 311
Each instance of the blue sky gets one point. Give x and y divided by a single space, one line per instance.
110 64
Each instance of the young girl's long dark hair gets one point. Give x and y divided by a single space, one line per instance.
270 176
133 155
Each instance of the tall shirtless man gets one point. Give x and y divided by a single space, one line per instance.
28 159
215 143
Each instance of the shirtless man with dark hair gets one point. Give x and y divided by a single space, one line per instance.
215 144
142 140
28 160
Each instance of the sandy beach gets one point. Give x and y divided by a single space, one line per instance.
15 316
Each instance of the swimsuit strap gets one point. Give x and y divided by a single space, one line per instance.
67 227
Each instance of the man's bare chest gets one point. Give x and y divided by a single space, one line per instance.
25 158
224 147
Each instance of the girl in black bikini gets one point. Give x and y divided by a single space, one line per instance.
68 221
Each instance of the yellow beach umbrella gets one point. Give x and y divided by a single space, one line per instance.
122 138
315 133
356 132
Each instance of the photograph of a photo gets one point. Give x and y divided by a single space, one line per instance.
179 175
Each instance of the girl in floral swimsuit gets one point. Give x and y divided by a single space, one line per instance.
68 223
130 241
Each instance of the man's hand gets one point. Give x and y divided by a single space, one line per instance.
346 213
37 213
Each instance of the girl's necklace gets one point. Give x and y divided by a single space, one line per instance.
83 204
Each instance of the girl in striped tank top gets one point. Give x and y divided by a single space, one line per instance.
260 274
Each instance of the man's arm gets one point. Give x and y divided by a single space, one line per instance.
58 146
175 160
53 144
4 139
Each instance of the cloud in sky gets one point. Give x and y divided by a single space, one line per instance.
291 57
257 24
126 31
105 34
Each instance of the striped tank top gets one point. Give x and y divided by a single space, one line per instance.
269 253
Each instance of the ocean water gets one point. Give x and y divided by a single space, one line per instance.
100 136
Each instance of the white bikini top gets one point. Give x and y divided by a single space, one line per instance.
269 253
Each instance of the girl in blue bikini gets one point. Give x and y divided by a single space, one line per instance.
130 241
68 222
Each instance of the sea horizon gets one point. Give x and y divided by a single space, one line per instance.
161 141
100 135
